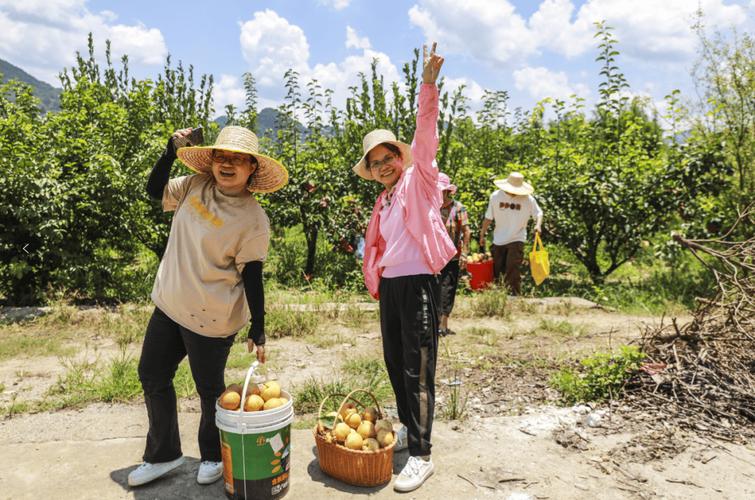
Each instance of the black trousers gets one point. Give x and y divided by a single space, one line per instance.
409 326
449 280
166 343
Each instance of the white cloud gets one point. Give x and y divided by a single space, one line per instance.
271 45
336 4
488 30
228 90
494 32
540 82
354 41
472 90
43 36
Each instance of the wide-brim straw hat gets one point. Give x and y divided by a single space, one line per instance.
444 183
514 184
375 138
270 175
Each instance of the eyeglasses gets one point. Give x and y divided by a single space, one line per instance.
236 161
379 163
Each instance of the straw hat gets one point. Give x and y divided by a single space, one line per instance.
375 138
514 184
444 183
270 175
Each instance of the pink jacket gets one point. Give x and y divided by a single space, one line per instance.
417 192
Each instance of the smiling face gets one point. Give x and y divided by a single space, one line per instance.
385 164
232 170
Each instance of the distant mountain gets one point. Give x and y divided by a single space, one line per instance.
266 123
49 95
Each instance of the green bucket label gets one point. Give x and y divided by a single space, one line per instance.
256 465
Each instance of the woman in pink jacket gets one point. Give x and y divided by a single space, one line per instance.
406 246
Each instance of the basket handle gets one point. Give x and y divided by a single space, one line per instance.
249 374
349 396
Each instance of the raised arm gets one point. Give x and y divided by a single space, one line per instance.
160 173
425 144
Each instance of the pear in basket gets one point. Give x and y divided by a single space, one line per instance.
341 432
383 424
254 403
370 444
353 420
384 437
230 400
270 390
370 414
273 403
348 409
354 440
367 429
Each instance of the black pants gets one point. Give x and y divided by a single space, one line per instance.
409 326
506 260
449 279
165 345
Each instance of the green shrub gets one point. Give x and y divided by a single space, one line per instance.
492 303
601 376
286 323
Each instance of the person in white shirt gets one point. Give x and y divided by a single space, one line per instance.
511 207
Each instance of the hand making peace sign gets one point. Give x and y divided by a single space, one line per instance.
431 64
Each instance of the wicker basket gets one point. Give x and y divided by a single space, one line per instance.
355 467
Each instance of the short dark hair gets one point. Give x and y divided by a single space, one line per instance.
390 147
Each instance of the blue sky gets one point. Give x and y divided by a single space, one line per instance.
532 49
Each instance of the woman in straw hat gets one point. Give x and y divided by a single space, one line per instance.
208 282
511 207
406 245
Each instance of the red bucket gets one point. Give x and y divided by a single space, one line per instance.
481 274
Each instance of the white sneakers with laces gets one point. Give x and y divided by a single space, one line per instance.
147 472
402 440
209 472
415 472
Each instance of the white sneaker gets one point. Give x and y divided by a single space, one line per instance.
413 475
147 472
402 440
209 472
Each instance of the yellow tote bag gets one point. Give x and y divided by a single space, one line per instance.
539 265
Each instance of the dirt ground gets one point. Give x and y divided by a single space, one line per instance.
514 442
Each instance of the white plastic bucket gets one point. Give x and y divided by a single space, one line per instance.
256 448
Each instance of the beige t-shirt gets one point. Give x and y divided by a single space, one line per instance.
198 283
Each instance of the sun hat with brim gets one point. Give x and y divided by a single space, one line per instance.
444 183
375 138
514 184
270 175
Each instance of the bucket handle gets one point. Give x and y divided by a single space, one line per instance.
249 374
349 396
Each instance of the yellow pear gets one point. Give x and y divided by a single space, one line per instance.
354 441
270 390
341 431
370 444
272 403
370 414
367 429
230 400
353 420
347 410
384 437
254 403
